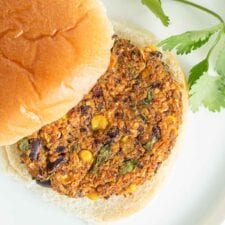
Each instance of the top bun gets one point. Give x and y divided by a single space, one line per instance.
51 54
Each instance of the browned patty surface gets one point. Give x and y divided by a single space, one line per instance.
140 106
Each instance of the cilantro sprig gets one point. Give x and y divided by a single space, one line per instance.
205 89
156 7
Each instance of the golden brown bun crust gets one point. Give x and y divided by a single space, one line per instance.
51 54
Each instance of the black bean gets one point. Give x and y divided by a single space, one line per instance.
156 131
84 109
126 99
113 132
97 92
125 129
155 85
83 129
141 129
35 149
115 36
156 54
41 171
56 163
60 149
45 183
119 114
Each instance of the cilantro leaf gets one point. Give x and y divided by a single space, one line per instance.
156 7
197 71
208 91
188 41
220 63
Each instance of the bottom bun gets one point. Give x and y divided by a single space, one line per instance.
116 206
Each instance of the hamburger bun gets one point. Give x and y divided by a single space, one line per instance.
51 54
116 206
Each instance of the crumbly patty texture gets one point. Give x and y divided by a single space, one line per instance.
117 137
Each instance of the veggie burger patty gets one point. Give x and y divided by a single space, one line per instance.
117 137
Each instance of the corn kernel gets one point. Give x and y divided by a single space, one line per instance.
93 196
151 48
124 139
172 118
99 122
132 188
86 155
66 179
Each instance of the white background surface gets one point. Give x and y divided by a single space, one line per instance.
194 192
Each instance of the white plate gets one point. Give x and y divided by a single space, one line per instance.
194 192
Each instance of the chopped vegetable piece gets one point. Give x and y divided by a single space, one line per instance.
102 156
127 166
143 117
23 144
75 147
135 75
149 145
148 99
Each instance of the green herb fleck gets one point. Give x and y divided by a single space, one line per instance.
23 144
156 8
148 99
75 147
127 166
102 156
135 75
143 117
133 106
149 145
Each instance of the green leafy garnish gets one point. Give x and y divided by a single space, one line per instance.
102 156
197 71
220 64
149 145
204 89
23 144
127 167
187 42
208 91
156 7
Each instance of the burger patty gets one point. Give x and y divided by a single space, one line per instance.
118 136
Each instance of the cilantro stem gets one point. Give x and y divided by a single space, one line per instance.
215 43
203 9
